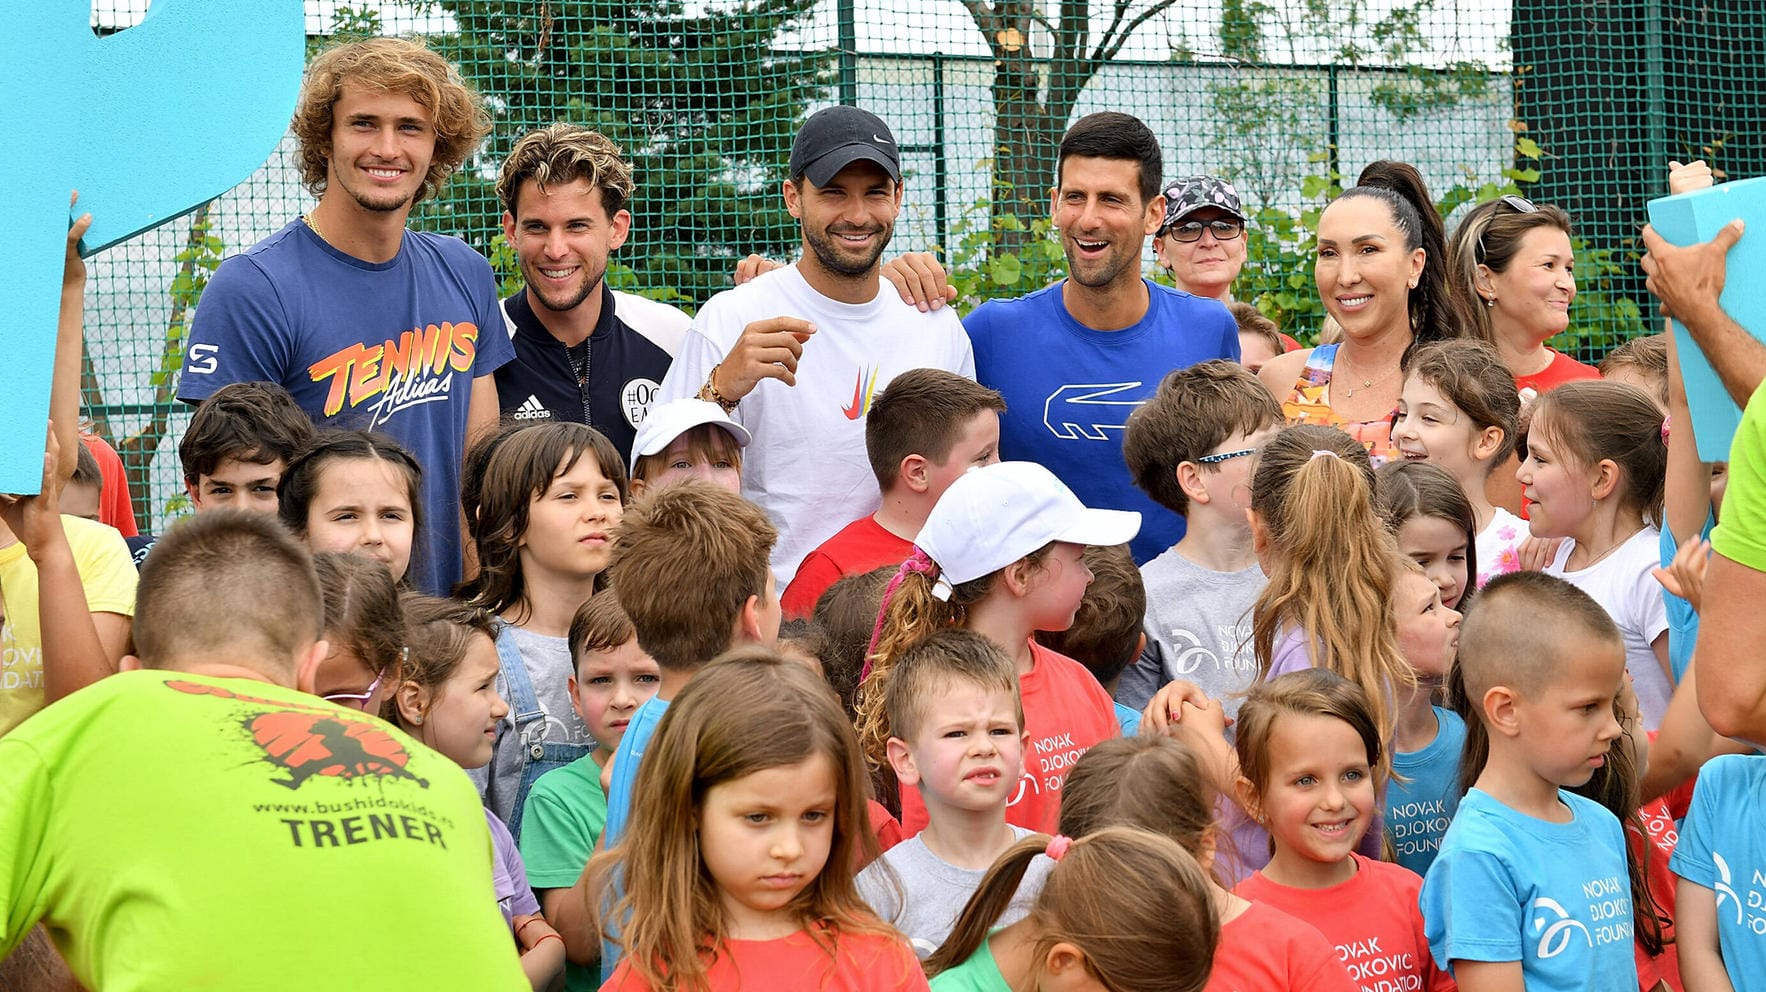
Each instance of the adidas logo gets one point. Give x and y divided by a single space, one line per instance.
532 409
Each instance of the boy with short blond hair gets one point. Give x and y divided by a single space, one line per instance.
1191 448
926 429
1107 635
567 808
956 727
1531 890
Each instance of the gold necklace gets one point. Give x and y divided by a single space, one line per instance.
1349 394
1597 559
312 225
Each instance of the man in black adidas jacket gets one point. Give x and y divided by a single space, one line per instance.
583 352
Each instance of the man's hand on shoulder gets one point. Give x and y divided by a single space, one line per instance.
755 265
921 280
767 349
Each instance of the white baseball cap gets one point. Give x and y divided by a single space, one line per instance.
996 514
667 421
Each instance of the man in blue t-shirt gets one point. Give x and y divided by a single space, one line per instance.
368 324
1075 359
583 352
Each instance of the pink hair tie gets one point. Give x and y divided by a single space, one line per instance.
1322 452
919 562
1058 847
1665 421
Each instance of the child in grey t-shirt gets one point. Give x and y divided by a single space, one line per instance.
1192 447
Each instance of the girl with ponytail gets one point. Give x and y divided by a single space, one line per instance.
1125 908
1381 272
1001 555
1332 567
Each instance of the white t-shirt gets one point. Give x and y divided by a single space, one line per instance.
1499 545
1623 585
807 466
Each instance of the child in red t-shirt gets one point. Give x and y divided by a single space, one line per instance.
1001 555
929 427
737 865
1156 784
1311 763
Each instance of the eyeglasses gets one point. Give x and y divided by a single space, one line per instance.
357 700
1224 228
1224 456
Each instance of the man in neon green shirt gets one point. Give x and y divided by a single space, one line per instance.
204 823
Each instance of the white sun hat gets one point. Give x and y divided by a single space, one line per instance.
667 421
996 514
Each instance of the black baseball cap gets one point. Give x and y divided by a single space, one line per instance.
836 137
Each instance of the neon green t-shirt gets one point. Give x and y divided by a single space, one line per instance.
106 571
184 832
1741 534
566 810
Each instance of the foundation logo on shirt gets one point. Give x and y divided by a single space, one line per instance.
1555 937
385 378
1725 887
319 743
1084 410
864 387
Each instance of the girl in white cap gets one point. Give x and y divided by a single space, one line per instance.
687 439
1000 555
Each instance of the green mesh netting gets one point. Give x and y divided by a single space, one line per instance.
1575 103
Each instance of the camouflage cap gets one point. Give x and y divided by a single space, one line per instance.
1187 195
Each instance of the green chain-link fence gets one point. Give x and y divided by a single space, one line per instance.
1568 101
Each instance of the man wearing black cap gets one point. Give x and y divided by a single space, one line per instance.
797 354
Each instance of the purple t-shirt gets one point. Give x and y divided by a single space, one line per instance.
391 346
514 896
1251 841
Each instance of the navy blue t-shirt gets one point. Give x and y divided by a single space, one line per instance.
1069 389
392 346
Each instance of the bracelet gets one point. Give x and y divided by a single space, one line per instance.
529 923
709 393
542 940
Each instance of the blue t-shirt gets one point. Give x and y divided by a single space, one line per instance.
1723 849
1683 620
1419 809
619 804
391 346
1069 389
1554 896
1128 718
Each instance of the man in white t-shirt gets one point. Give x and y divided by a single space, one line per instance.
797 354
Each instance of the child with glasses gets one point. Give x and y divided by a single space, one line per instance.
364 631
1191 448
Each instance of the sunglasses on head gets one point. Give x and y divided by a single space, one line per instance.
1519 204
1224 228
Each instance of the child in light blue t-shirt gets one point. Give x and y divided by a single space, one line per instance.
1721 861
1530 890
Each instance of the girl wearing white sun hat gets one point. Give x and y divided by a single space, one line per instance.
1000 555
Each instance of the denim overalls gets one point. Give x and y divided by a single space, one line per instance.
538 756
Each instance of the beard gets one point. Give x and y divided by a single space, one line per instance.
841 260
591 281
1096 274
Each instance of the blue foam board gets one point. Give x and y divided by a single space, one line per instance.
148 124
